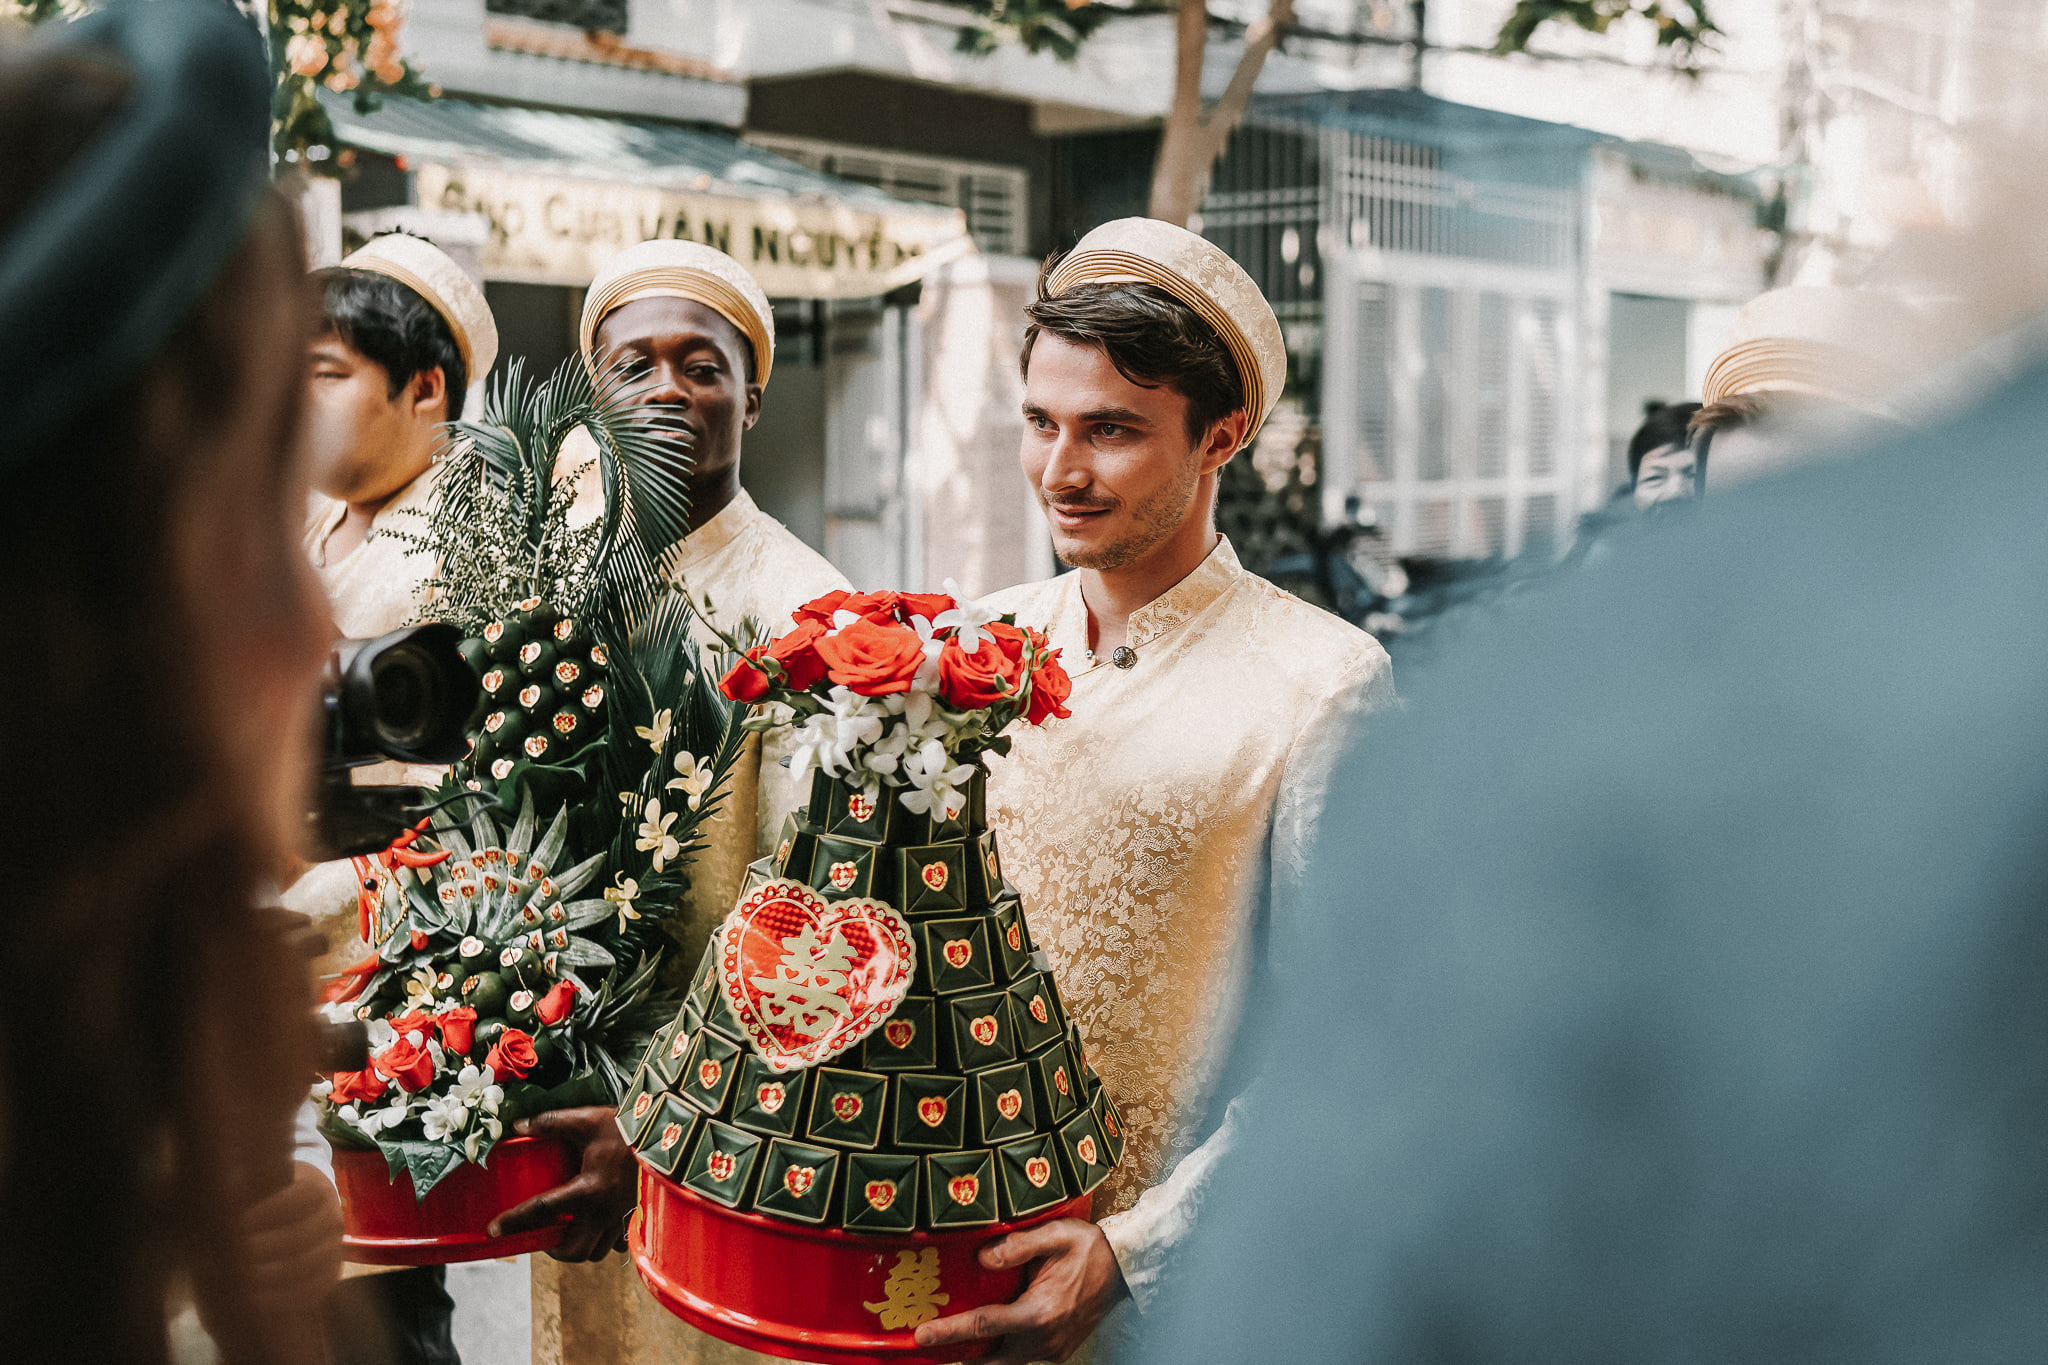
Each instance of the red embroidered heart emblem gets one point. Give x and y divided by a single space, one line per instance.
722 1164
847 1106
860 808
964 1188
808 978
1109 1121
932 1109
1059 1078
1015 938
1038 1010
782 853
675 1049
881 1194
708 1072
843 875
935 875
799 1179
1038 1170
1009 1104
983 1029
642 1105
1085 1149
671 1135
770 1097
899 1032
959 951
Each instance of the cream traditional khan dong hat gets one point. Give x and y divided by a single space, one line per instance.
432 273
1199 274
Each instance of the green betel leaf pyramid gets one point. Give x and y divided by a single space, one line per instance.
972 1103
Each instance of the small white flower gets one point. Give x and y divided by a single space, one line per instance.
656 735
655 837
381 1034
419 989
628 800
444 1118
693 778
623 894
967 619
380 1120
339 1011
322 1089
474 1088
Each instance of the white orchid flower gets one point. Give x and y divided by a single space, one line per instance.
656 734
967 619
381 1034
693 778
474 1087
628 800
419 989
444 1118
622 894
655 837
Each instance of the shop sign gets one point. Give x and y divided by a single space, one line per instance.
559 230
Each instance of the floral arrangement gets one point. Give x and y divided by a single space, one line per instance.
905 690
349 46
514 964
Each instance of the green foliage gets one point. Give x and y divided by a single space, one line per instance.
1684 27
499 525
348 46
1054 26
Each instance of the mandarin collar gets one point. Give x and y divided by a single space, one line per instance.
717 533
1214 576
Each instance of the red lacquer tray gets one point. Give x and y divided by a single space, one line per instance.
384 1225
805 1293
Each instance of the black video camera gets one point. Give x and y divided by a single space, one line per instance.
406 696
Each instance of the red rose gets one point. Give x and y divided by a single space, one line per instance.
419 941
968 682
512 1054
879 606
797 652
554 1007
1050 687
929 605
458 1029
820 609
419 1021
412 1067
746 681
874 660
358 1087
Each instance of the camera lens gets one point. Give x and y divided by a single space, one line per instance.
406 695
405 686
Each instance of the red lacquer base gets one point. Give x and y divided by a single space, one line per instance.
384 1225
802 1293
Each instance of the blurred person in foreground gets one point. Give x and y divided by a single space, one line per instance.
403 331
704 330
1699 1010
1152 830
155 1032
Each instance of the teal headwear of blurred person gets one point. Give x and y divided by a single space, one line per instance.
166 640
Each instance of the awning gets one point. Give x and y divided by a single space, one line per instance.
563 192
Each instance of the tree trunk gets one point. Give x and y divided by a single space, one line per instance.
1193 140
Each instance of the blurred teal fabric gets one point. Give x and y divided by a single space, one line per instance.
1671 984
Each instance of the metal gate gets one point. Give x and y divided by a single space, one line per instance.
1448 401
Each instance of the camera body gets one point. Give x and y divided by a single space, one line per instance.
406 696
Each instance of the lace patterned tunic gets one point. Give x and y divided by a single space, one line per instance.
1147 831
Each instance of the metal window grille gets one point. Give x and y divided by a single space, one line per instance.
994 198
1437 309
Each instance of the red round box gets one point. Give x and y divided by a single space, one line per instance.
382 1224
799 1292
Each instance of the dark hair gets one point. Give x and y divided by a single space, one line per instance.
152 1033
393 326
1663 425
1149 335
